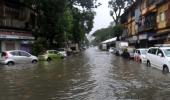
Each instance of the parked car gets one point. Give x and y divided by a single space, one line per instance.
112 50
140 55
50 55
119 52
63 52
159 57
17 56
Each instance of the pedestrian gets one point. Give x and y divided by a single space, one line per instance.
126 54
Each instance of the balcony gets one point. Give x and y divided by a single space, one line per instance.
12 23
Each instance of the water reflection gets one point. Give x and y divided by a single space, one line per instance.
90 75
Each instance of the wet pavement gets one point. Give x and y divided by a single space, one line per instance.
90 75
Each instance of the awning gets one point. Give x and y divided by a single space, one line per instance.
109 40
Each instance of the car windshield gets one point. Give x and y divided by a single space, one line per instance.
143 52
167 52
60 49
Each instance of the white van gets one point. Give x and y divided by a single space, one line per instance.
159 57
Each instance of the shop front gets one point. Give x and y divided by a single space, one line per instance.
142 41
15 41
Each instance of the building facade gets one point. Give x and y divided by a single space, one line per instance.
146 23
16 24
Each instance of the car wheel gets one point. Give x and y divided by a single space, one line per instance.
10 63
148 64
165 69
34 61
49 59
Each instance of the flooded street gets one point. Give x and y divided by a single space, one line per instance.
90 75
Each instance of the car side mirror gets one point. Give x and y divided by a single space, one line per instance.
160 54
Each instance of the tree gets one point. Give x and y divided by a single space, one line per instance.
60 21
103 34
117 30
117 7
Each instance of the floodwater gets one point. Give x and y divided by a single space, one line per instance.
90 75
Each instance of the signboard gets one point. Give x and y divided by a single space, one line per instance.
16 37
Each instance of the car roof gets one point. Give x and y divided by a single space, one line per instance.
14 51
142 49
160 47
51 50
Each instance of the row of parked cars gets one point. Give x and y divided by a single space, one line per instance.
158 56
18 56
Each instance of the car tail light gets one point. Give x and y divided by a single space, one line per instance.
5 55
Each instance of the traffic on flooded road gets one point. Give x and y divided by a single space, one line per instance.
89 75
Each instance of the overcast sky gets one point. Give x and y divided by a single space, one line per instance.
102 18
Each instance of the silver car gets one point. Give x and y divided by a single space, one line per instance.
17 56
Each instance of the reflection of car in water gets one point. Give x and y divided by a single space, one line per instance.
50 55
17 56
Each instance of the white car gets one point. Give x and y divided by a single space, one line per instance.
140 55
112 49
131 51
17 56
159 57
62 52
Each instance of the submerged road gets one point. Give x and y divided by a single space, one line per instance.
90 75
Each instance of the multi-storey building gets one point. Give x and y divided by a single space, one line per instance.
16 24
151 22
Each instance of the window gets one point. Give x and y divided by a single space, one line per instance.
139 52
159 51
55 52
143 51
24 54
51 51
152 51
167 52
15 53
162 16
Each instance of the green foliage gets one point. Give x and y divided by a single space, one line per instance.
118 30
107 33
103 34
38 46
60 21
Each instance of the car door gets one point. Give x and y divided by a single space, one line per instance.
16 57
160 59
26 57
57 54
153 56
